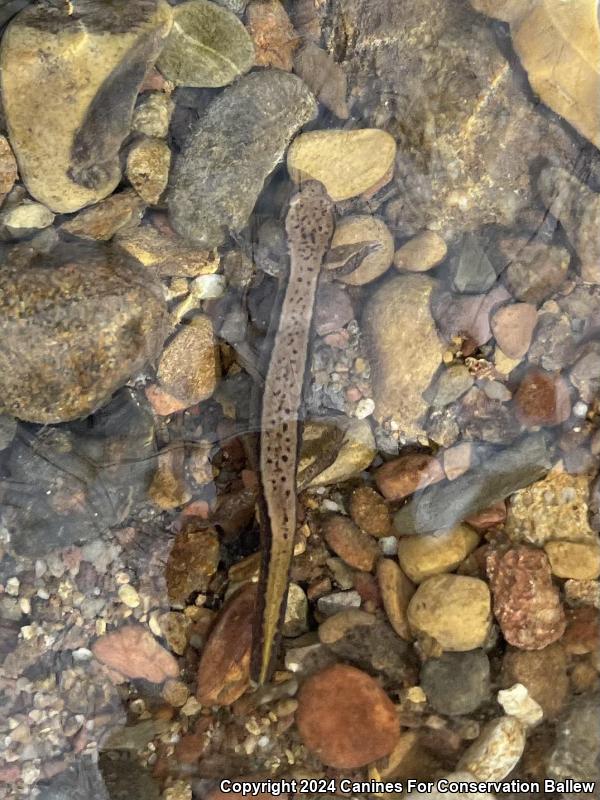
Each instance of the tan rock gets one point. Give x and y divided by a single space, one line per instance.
348 163
274 37
363 228
423 556
8 168
165 253
188 366
580 561
403 476
224 670
357 549
360 725
148 164
334 628
555 508
67 150
496 751
102 221
421 253
356 453
369 511
454 610
152 116
396 592
513 327
134 652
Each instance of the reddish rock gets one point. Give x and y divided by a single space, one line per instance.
370 512
345 718
526 602
163 403
224 669
542 399
489 517
275 39
582 635
133 652
192 562
542 672
357 549
368 589
401 477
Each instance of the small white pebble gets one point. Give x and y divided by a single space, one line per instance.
82 654
580 409
129 596
12 587
364 408
330 505
25 605
388 545
208 287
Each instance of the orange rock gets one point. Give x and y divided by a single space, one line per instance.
162 402
357 549
273 34
224 670
542 399
583 631
401 477
133 652
370 512
345 718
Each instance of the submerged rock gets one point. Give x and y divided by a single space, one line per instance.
69 112
231 151
75 325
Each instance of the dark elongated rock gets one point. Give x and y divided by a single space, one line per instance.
232 150
499 474
75 325
69 111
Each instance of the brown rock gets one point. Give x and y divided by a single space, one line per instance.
526 603
135 653
160 249
423 252
356 548
582 635
8 168
513 327
324 77
224 670
542 399
532 269
542 672
396 591
401 477
102 221
148 164
169 488
489 518
360 724
369 511
188 367
192 562
275 39
162 402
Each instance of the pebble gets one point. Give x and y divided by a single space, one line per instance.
333 309
396 592
576 754
65 362
456 683
544 674
231 151
542 399
23 218
208 46
102 221
501 474
423 556
579 561
403 476
335 602
364 229
192 562
166 254
134 653
517 702
169 488
296 612
534 270
274 37
355 455
224 669
497 750
458 460
530 519
452 383
347 163
187 369
471 270
129 596
68 156
356 548
369 511
454 610
398 328
526 603
513 327
488 518
468 316
421 253
152 117
148 164
582 635
324 77
361 724
339 625
8 168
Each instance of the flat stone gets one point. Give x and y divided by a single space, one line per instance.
324 77
532 270
452 383
579 561
356 548
165 253
274 37
148 164
543 672
407 474
398 326
53 376
496 751
356 452
501 473
513 327
187 369
369 511
421 253
396 591
231 151
471 270
134 653
192 562
23 219
208 46
347 163
335 602
102 221
423 556
542 399
83 92
457 683
361 724
454 610
373 232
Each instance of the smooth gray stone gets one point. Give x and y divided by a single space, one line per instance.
471 269
501 473
576 754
